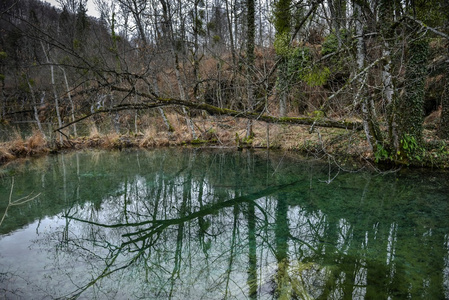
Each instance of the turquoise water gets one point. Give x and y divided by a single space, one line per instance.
206 224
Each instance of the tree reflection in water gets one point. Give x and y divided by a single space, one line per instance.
225 225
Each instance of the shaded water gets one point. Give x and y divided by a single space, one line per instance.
196 224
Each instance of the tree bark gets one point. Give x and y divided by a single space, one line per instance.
411 106
443 131
231 34
282 24
368 114
153 102
3 100
55 93
161 111
36 113
69 95
169 31
335 22
250 41
386 19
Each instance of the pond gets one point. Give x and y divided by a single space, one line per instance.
218 224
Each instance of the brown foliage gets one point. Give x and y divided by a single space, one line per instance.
5 155
18 147
36 142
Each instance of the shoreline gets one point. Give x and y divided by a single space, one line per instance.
343 146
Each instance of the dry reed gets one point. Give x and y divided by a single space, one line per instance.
5 155
37 142
94 133
147 141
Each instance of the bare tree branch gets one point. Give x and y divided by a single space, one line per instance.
154 102
434 30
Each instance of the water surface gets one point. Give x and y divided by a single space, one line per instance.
203 224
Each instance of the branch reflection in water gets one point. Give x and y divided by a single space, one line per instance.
193 224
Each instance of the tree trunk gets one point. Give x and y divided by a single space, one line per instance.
388 95
70 100
283 87
3 104
197 27
182 94
55 93
36 113
250 41
161 110
411 106
235 19
335 11
282 24
169 31
231 35
443 131
361 97
386 19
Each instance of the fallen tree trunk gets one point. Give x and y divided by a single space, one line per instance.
154 102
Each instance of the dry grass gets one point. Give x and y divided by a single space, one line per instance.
5 155
147 140
210 130
176 121
163 139
109 140
94 133
18 147
36 142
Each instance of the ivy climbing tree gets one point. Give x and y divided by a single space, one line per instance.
411 105
282 24
250 44
443 131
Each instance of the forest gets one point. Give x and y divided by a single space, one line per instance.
368 78
147 208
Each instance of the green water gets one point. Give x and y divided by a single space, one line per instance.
203 224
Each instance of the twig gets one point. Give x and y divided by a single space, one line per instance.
362 72
434 30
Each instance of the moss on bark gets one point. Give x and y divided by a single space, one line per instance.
443 131
411 105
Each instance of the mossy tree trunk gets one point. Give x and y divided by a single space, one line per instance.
410 113
337 9
386 19
4 97
443 131
282 24
250 41
370 124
